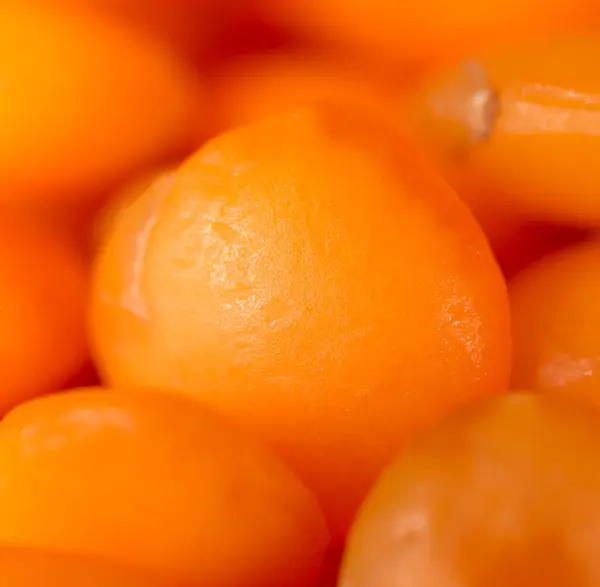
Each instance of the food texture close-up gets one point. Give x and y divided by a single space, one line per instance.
299 293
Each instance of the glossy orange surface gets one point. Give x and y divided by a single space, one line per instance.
555 318
520 127
159 483
310 277
157 181
506 493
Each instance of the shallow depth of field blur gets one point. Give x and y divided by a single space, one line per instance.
299 293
